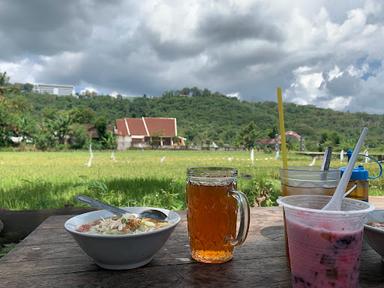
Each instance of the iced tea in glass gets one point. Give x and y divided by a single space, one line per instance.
213 205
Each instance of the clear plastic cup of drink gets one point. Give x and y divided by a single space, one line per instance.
308 181
324 246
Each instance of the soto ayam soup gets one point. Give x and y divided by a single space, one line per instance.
126 224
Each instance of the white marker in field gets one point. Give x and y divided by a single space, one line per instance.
230 159
162 159
277 155
366 154
89 164
113 158
252 155
313 161
341 155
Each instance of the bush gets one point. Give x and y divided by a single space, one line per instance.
44 141
78 136
262 191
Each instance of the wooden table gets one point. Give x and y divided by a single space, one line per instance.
49 257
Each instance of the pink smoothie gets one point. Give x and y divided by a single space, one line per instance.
320 258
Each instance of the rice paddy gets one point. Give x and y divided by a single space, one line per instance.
37 180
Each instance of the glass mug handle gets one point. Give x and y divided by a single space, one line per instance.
242 203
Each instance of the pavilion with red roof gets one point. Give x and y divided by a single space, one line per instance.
146 132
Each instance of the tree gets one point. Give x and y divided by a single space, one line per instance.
27 87
248 135
4 79
83 115
101 126
273 133
5 119
78 136
335 138
61 126
26 126
109 141
4 82
44 138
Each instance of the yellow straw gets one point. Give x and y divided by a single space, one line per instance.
282 128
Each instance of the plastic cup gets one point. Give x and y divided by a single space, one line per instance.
308 181
324 246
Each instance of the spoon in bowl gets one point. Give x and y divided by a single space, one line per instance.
150 213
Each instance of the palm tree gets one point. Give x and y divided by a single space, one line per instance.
4 79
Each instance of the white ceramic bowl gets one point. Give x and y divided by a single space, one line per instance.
118 252
374 235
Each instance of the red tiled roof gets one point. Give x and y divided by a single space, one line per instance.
271 141
165 127
136 126
161 126
121 130
268 141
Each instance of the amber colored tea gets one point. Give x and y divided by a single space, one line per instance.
361 190
212 214
291 190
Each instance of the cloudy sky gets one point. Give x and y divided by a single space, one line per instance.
326 53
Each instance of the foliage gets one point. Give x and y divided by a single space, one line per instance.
248 135
77 136
101 126
109 141
262 191
4 79
202 117
5 248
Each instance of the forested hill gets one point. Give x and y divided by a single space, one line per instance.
202 117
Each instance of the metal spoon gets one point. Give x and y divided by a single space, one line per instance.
150 213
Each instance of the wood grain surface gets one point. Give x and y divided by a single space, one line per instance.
49 257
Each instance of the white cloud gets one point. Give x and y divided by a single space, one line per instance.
339 103
22 71
325 53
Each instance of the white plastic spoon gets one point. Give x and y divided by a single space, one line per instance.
337 198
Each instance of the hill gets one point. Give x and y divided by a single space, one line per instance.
202 117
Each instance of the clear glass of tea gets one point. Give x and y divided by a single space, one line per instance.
213 207
308 181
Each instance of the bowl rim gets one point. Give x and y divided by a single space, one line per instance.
372 228
141 234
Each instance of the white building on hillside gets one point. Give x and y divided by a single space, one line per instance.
60 90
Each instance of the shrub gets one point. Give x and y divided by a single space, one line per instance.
78 136
262 191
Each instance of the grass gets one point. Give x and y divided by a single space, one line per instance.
6 248
37 180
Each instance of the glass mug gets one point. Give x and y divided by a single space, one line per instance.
213 205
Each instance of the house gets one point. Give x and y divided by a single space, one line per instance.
60 90
275 142
146 132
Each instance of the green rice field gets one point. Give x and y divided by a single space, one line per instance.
37 180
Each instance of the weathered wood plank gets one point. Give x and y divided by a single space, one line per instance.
49 257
